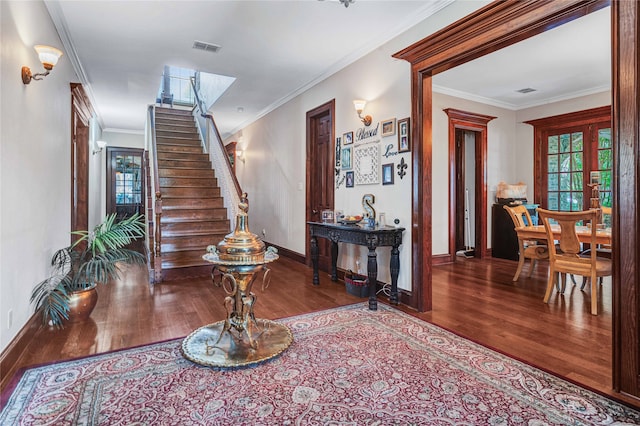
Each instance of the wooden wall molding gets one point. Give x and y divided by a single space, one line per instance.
467 120
501 24
12 353
442 259
626 186
542 125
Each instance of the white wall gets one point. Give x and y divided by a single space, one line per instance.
274 172
35 135
501 151
114 139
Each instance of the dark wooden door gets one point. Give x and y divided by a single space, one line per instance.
80 114
125 178
459 190
320 172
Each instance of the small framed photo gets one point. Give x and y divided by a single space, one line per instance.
345 158
387 174
388 127
347 138
404 135
349 179
594 178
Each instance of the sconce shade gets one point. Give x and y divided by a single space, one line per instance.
101 145
48 56
359 105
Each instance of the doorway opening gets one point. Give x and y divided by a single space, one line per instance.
467 183
465 194
320 173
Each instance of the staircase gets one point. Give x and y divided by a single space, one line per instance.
193 214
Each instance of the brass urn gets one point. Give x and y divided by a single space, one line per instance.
240 339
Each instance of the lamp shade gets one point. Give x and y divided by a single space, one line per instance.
359 104
48 55
101 144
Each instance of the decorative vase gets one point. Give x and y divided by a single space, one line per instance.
81 304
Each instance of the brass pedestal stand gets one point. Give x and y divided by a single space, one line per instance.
240 339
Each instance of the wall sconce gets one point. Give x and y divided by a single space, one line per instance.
48 56
101 145
359 106
241 156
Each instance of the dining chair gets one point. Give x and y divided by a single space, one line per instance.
568 260
529 249
602 250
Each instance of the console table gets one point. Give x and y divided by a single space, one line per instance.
372 238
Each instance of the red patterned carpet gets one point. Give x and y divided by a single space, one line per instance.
347 366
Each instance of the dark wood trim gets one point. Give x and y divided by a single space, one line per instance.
81 113
626 183
298 257
542 125
329 107
442 259
497 25
13 352
478 123
111 177
490 28
501 24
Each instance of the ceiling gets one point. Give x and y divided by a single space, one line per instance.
278 49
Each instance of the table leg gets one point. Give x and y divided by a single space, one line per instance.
334 261
314 260
395 271
372 273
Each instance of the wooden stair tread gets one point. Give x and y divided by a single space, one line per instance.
194 215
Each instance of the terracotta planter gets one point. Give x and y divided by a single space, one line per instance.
81 304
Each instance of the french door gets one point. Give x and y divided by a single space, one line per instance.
125 178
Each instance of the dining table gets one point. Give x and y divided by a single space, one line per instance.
537 232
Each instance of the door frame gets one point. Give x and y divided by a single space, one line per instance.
500 24
110 176
311 116
81 113
477 123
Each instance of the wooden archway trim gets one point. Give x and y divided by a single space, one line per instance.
459 119
498 25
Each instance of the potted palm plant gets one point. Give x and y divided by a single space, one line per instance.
69 293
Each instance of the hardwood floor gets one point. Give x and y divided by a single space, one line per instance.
475 299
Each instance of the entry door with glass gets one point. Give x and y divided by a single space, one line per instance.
125 178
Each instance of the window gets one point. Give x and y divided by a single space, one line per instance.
567 149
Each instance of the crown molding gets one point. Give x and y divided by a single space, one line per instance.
55 11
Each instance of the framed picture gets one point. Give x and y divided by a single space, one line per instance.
338 151
347 138
387 174
388 127
404 135
349 179
345 158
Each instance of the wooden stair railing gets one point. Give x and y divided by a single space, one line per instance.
188 195
210 121
157 204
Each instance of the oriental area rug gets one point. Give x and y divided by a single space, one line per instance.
346 366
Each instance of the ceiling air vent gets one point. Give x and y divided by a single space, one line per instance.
526 90
207 47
